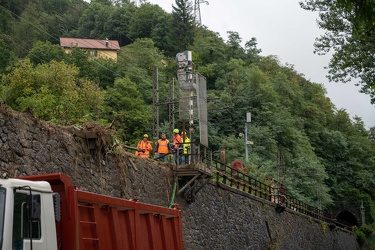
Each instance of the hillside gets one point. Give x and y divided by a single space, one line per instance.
325 157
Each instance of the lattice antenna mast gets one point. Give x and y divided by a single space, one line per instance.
138 3
197 11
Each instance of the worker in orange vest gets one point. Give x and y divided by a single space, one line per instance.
162 147
144 147
177 150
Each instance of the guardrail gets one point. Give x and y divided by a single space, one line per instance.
239 180
194 153
222 173
225 174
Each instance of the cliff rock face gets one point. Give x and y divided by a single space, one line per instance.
220 217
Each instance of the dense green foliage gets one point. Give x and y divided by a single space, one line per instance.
52 91
323 156
349 33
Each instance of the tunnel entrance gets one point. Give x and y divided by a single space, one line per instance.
347 218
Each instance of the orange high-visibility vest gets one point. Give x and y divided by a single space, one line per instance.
177 140
163 146
146 146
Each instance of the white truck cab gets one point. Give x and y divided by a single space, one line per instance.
26 208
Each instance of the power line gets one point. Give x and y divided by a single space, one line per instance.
56 39
79 51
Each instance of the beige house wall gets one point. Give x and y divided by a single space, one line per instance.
105 54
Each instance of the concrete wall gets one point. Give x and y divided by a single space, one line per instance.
220 218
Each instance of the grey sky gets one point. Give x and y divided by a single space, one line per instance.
283 29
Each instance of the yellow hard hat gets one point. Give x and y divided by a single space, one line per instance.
183 133
145 136
176 131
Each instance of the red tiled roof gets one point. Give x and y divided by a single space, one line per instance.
89 43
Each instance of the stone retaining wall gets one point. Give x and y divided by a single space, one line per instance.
225 218
220 217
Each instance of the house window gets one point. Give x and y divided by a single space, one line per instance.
93 53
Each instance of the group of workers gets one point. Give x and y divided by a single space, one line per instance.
180 147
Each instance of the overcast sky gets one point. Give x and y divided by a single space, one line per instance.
283 29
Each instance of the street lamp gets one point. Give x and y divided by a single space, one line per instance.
248 120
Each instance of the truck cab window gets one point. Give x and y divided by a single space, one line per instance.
22 217
2 209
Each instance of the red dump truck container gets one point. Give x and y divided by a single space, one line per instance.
92 221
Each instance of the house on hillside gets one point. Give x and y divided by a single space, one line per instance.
106 49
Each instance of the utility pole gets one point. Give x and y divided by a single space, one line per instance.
197 11
171 107
248 120
155 103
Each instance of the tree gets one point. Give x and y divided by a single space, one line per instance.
6 21
209 54
80 59
160 31
291 116
28 29
124 104
362 11
103 2
350 34
67 23
235 49
181 27
145 19
14 6
208 48
53 91
317 110
117 26
7 57
62 17
103 72
93 19
252 51
137 62
44 52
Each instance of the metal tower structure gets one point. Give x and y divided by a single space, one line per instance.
138 3
192 98
197 11
156 104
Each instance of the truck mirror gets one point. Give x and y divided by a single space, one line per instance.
57 206
33 204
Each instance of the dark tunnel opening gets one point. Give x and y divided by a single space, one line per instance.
347 218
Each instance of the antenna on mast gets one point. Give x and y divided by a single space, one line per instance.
197 11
